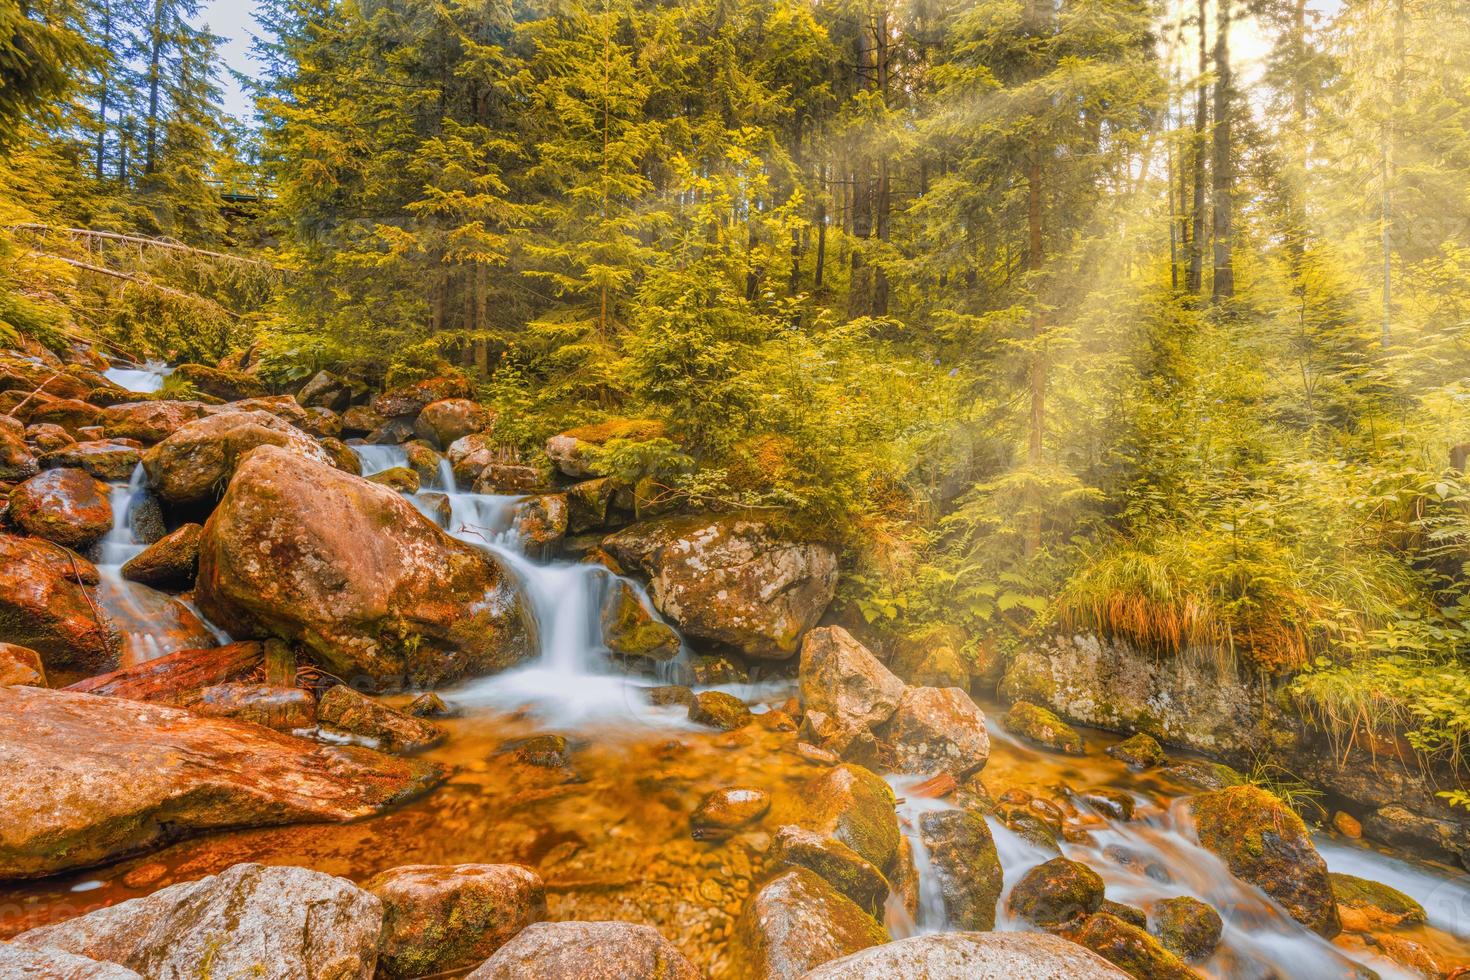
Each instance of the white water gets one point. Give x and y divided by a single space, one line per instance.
142 379
1446 900
571 683
931 913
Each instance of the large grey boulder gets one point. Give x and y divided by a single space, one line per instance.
972 956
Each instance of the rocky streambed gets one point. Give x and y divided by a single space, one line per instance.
245 773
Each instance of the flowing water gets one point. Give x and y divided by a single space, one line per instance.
610 832
144 379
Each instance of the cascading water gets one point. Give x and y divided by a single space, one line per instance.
140 378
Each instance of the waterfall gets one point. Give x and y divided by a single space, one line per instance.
140 378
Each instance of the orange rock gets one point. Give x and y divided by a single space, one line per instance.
1347 825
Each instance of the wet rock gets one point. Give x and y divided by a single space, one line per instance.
709 669
1137 862
225 385
150 421
1057 893
631 631
1131 949
966 865
63 506
438 918
342 709
1368 906
544 752
176 678
352 571
170 562
53 964
1266 844
839 865
342 456
469 455
392 432
855 806
587 504
541 522
1415 958
151 623
437 507
731 580
1139 751
325 390
719 710
247 921
670 694
1204 775
1111 803
283 407
44 437
360 420
413 398
1128 913
16 459
444 421
285 709
507 478
21 665
194 464
91 779
972 956
1401 827
1029 825
1036 724
1187 927
47 604
108 460
938 730
587 951
723 812
69 413
399 478
1347 825
322 423
574 451
797 921
430 706
845 683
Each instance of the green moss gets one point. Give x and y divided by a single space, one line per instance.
1039 725
1360 893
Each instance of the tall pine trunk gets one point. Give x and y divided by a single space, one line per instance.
1222 165
104 92
1035 444
1194 280
1387 152
155 84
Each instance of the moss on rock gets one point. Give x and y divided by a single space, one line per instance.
1037 724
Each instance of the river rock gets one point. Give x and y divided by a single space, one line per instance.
630 630
438 918
44 437
855 806
1057 893
845 683
342 456
227 386
91 779
442 422
47 604
507 478
21 665
587 951
322 423
151 623
360 420
1036 724
16 459
1130 949
588 504
938 730
286 709
723 812
351 570
1265 843
341 709
1139 751
325 390
841 866
109 460
541 522
53 964
397 478
966 865
176 678
1188 928
573 451
1203 775
469 455
246 921
972 956
719 710
411 399
168 563
1398 826
732 580
1368 906
151 421
195 463
797 921
63 506
70 413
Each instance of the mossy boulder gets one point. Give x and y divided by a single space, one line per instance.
574 451
630 630
109 460
1057 893
449 419
842 867
343 710
171 562
47 604
858 808
1203 775
1141 751
1368 906
151 421
717 709
408 400
399 478
797 921
725 811
843 682
194 464
1188 928
1036 724
587 951
438 918
1130 914
937 730
1264 843
1130 949
65 507
966 866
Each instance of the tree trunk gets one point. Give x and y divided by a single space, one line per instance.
105 90
1386 219
1194 281
155 83
1038 328
821 261
1222 165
